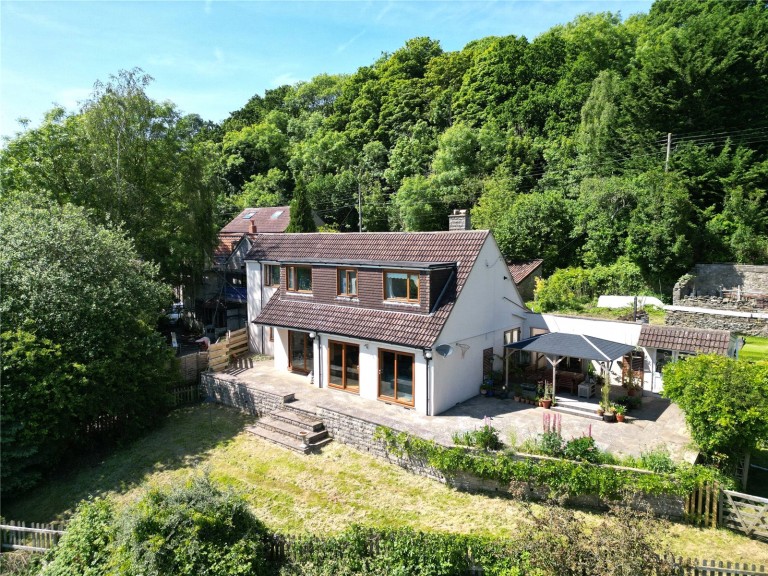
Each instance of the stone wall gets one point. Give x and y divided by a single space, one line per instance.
360 434
238 395
712 279
718 314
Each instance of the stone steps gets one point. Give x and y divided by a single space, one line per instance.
577 411
293 429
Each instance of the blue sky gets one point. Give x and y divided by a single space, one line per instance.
210 57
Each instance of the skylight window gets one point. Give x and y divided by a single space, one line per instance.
276 215
249 215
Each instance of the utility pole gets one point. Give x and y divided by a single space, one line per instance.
669 151
359 207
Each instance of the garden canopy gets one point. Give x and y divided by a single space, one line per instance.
574 345
556 345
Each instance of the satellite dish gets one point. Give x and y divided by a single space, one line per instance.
444 350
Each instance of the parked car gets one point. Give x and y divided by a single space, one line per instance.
175 313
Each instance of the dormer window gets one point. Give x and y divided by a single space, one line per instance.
346 282
299 278
401 286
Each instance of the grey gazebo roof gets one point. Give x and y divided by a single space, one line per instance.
573 345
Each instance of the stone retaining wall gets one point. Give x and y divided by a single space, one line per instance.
238 395
752 326
360 434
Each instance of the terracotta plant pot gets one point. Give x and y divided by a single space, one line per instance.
619 417
546 404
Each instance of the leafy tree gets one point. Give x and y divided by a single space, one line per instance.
537 225
79 309
660 234
418 206
725 402
302 219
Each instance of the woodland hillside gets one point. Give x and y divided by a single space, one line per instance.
558 144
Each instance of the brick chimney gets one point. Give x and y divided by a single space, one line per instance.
459 220
253 227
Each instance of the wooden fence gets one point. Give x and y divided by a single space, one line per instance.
702 505
35 537
184 395
192 364
234 344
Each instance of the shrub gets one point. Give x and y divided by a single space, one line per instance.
572 288
485 437
583 448
194 528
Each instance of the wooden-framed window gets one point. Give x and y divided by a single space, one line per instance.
298 278
396 376
344 366
401 285
272 275
346 282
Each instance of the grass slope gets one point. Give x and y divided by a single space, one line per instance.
320 493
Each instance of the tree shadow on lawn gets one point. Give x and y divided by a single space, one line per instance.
182 440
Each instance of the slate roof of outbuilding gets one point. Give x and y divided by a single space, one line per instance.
391 326
685 339
267 220
521 270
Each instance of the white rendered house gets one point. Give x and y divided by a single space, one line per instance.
415 319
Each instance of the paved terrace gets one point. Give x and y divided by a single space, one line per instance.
656 424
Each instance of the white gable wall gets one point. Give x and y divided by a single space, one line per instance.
258 296
489 304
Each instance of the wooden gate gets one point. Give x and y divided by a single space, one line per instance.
701 506
744 513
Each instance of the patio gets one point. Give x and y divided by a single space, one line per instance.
656 424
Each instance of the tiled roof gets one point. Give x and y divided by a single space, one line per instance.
408 329
267 220
521 270
227 243
685 339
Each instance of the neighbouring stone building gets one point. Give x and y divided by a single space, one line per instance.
722 297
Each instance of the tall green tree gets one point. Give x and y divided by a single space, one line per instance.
302 219
79 309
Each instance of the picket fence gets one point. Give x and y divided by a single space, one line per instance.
35 537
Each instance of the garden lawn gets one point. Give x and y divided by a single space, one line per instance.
755 349
320 493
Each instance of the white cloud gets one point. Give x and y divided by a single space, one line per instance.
342 47
282 79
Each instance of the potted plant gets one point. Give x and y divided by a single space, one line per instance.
546 402
619 410
610 414
517 392
484 388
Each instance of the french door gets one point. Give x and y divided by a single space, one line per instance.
300 353
396 376
344 366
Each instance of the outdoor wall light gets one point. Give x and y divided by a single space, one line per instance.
312 335
428 354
